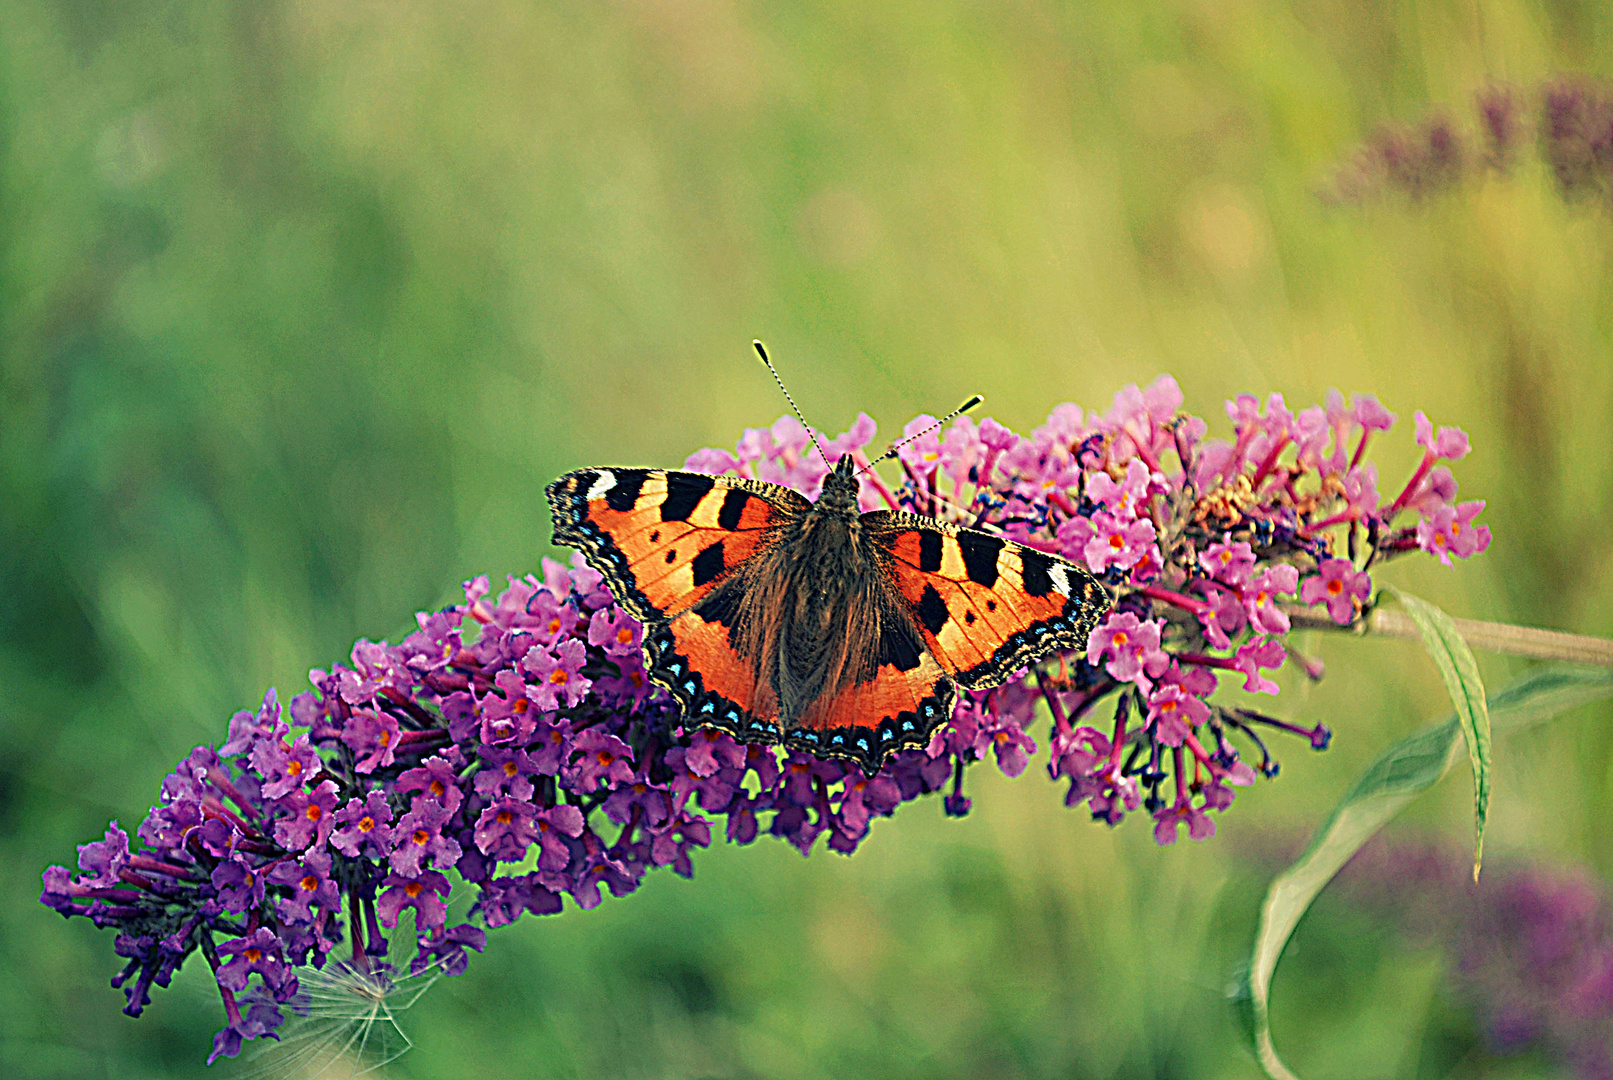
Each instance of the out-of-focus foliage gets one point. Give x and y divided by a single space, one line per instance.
301 304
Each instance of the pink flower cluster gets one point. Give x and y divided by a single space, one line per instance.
1209 544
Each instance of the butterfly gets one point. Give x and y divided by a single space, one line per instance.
782 620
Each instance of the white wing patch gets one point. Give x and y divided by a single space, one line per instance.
606 481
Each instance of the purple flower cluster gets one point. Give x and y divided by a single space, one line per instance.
1572 127
1532 947
514 742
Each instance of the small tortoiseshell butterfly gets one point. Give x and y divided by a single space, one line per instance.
782 620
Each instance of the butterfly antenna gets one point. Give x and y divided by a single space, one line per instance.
895 446
762 352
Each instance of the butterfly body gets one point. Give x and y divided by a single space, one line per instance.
779 619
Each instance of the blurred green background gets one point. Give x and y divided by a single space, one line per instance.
302 302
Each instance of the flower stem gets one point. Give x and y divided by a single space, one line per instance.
1327 523
1506 638
1122 711
1411 487
1197 607
1269 464
355 931
1361 447
1059 722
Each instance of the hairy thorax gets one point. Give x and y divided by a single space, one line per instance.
824 596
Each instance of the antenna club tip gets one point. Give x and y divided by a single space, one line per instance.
761 350
971 403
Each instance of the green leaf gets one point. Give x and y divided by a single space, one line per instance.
1403 772
1548 693
1390 783
1461 674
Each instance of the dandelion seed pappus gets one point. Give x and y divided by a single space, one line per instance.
344 1024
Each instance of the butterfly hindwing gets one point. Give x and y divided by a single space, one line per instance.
987 606
664 540
907 698
694 657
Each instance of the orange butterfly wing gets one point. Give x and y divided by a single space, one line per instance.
909 696
988 606
666 543
664 540
900 706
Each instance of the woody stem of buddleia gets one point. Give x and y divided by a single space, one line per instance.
1506 638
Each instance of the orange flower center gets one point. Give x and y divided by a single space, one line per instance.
558 676
294 769
309 883
606 757
436 788
412 889
1121 637
502 817
1335 587
421 837
521 705
625 635
366 823
253 956
315 812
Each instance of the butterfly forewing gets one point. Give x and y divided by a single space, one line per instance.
987 606
664 540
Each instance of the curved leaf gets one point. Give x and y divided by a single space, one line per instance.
1461 674
1403 772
